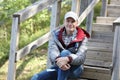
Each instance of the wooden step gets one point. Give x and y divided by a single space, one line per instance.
107 36
113 10
102 27
99 55
117 2
96 73
97 63
100 40
98 59
100 46
105 20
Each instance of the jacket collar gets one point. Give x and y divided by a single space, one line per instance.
81 34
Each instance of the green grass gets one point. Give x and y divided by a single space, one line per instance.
28 66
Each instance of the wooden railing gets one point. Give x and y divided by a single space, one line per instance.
28 12
116 51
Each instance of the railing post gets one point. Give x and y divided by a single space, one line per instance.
55 19
104 8
89 20
13 48
76 6
83 5
116 51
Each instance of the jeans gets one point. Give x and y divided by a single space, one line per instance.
55 73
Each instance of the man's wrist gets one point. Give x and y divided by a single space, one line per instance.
69 59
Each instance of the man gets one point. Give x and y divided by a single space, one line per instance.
66 51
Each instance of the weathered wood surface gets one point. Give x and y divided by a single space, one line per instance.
101 40
89 20
107 20
13 48
76 6
102 27
96 73
116 51
103 35
116 2
87 11
33 45
113 10
33 9
99 55
104 8
55 18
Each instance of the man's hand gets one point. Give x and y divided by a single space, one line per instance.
65 67
62 62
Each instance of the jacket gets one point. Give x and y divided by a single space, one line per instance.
56 43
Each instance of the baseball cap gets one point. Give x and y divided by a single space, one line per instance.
72 15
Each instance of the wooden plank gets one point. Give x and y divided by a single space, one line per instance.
55 15
89 20
103 35
99 55
55 19
99 49
100 46
116 2
100 40
97 69
102 27
33 45
113 10
13 47
105 19
103 11
87 11
33 9
116 52
96 73
97 63
75 6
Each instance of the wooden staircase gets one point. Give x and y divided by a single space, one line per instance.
100 46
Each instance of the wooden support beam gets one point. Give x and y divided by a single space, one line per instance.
55 15
35 44
55 19
76 6
116 51
89 20
104 8
13 47
33 9
87 11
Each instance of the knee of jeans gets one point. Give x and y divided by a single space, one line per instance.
79 71
35 77
65 53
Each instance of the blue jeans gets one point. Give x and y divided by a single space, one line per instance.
55 73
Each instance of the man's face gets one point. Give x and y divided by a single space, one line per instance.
70 25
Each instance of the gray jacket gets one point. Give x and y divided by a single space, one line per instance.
54 52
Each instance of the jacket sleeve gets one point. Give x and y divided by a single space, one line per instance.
79 57
53 51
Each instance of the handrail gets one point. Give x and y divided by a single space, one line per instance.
87 11
116 51
33 9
